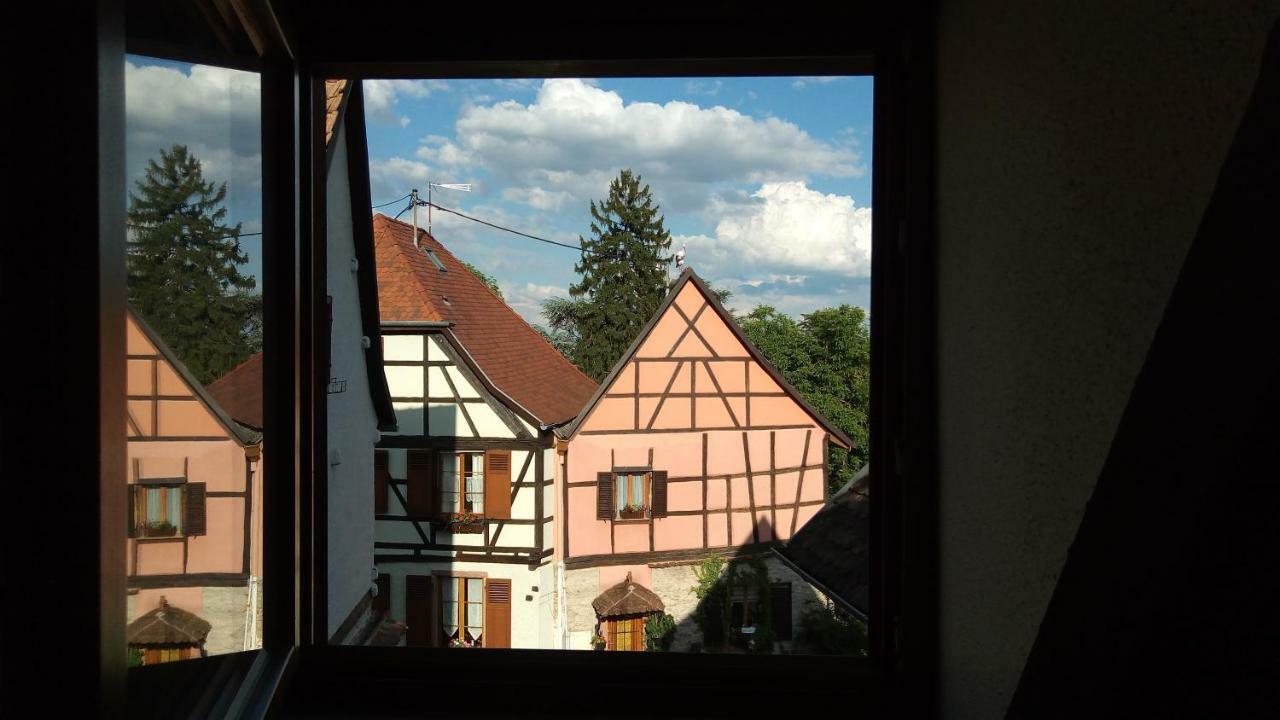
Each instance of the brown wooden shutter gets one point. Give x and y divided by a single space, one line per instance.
497 614
604 496
421 491
417 609
659 505
497 484
133 505
381 478
194 521
382 601
780 610
637 634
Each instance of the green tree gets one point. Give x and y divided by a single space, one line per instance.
826 356
622 274
184 267
485 278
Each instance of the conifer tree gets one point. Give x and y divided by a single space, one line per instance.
623 274
184 267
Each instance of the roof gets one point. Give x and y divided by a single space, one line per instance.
627 598
168 625
689 276
239 392
831 549
507 352
242 433
335 92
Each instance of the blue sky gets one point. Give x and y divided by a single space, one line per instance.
766 181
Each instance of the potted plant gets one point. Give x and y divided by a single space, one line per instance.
633 511
464 522
598 642
161 528
462 642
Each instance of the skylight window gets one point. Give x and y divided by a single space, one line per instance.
436 261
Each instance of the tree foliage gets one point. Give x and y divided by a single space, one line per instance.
622 277
826 356
485 278
184 267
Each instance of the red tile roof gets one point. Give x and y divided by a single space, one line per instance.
333 91
514 357
239 392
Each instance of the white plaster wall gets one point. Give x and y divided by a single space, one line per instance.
1077 146
353 423
442 419
531 619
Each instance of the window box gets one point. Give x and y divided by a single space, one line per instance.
462 523
633 512
158 529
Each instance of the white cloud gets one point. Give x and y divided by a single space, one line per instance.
381 97
574 137
538 198
213 111
696 87
395 176
787 225
800 83
527 299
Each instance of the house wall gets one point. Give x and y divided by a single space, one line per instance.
178 435
429 385
1077 147
673 583
353 421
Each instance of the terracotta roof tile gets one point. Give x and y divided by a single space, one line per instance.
516 359
168 625
239 392
333 90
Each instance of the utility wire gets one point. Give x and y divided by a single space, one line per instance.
506 229
392 202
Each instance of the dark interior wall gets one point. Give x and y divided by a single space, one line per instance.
1077 149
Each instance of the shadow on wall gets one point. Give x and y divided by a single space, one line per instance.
750 602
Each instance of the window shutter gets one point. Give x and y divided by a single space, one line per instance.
133 504
780 610
419 476
497 613
382 601
497 484
604 496
417 609
659 508
381 478
194 521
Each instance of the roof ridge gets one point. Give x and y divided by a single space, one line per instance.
488 289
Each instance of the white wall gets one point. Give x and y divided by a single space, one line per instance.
353 423
1077 146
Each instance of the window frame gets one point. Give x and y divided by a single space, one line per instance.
461 586
646 479
460 478
894 45
136 493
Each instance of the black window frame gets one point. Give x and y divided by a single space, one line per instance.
296 47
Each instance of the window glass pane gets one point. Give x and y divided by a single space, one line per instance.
194 365
733 254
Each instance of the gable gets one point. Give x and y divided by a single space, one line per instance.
691 369
163 400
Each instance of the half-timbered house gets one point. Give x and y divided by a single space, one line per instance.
195 494
464 491
693 446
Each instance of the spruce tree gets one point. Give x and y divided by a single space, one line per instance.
184 267
623 274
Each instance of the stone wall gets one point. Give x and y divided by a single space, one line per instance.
674 583
224 608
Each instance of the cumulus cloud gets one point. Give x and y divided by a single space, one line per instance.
538 198
381 97
787 225
213 111
575 136
527 299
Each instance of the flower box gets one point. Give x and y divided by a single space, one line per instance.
633 512
462 523
158 529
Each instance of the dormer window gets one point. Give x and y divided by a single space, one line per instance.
435 260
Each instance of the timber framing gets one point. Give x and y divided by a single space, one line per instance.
646 558
177 580
687 276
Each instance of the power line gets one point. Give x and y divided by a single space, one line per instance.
506 229
392 202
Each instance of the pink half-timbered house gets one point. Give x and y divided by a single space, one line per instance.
195 507
692 446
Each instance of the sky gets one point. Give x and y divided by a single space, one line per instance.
765 181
